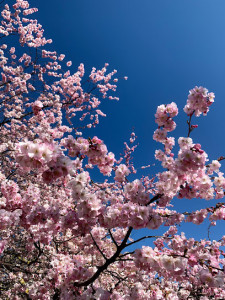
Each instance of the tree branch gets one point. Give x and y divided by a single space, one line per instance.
142 238
108 262
112 237
156 197
98 247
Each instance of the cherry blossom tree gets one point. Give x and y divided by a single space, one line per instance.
63 234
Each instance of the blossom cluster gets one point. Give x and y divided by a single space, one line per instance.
164 118
148 259
188 175
65 270
47 157
121 172
174 266
198 101
94 149
34 155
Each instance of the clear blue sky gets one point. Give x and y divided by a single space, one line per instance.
165 47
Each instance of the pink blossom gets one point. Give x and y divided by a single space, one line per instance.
121 172
198 101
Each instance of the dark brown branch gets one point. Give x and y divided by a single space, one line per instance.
156 197
98 247
20 118
108 262
40 252
189 125
112 237
127 253
125 259
142 238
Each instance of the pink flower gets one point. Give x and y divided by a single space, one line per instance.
121 172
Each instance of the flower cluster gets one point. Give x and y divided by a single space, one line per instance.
34 155
190 159
94 149
65 270
12 199
198 101
79 184
149 259
88 205
47 157
121 172
164 115
212 280
135 192
57 168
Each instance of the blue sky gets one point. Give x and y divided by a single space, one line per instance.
165 47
